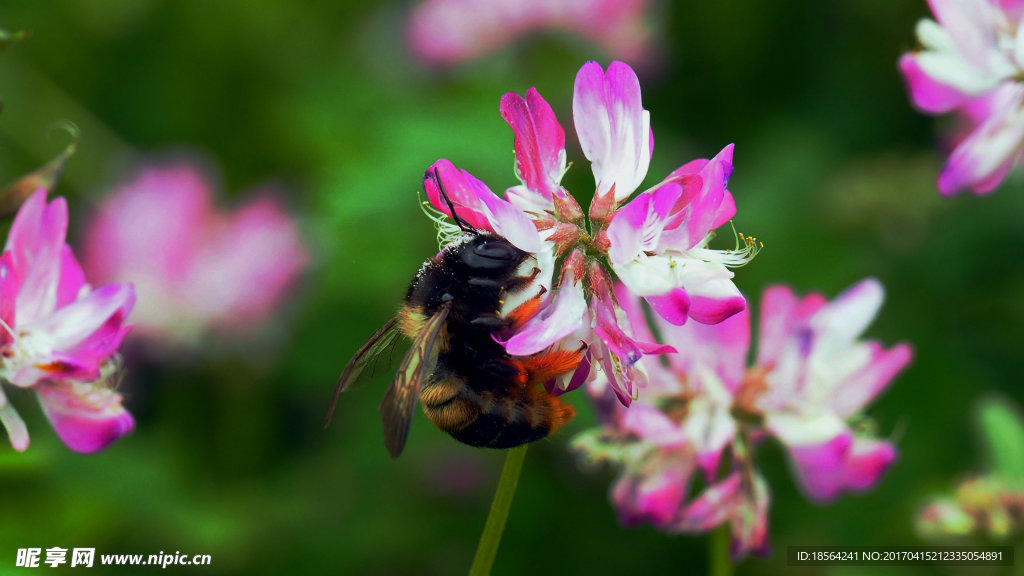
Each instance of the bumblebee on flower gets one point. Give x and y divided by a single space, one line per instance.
656 244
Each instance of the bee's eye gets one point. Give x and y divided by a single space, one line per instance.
489 255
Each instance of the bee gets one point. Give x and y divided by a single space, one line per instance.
469 386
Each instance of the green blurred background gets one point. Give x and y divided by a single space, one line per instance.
834 173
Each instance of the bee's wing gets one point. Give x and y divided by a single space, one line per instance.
399 403
380 341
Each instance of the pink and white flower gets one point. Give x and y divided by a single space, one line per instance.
971 62
59 335
196 268
657 243
448 32
812 375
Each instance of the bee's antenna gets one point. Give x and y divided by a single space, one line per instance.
463 225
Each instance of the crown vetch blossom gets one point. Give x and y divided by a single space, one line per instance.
196 268
813 375
707 411
447 32
971 62
656 243
59 335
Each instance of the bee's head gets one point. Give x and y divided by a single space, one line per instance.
486 252
483 253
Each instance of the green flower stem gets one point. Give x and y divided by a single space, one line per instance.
721 559
491 538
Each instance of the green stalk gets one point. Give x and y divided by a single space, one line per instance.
491 537
720 559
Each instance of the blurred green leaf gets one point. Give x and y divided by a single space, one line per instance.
9 38
1002 430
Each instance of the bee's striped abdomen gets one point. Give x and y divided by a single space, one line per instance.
520 414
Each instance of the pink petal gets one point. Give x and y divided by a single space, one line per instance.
841 321
716 504
720 347
844 463
673 306
57 365
613 128
8 295
36 241
983 159
72 278
706 208
858 391
512 223
726 210
618 382
539 142
576 379
257 246
927 94
652 425
781 313
562 316
478 206
86 418
868 460
655 495
94 316
715 300
462 189
638 225
691 185
150 229
972 28
194 267
625 232
15 426
710 426
1014 9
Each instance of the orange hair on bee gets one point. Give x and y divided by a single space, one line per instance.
542 367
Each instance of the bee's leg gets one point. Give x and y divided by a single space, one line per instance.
515 319
547 365
520 282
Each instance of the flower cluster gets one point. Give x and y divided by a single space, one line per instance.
448 32
656 243
59 336
686 448
971 62
196 269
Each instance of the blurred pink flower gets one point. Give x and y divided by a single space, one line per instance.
657 243
447 32
59 336
812 374
195 268
971 62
